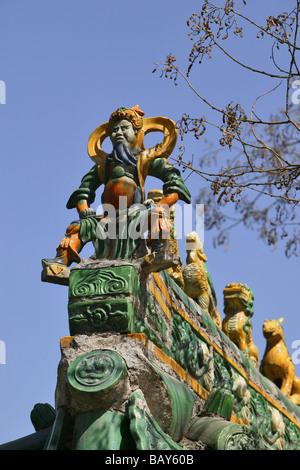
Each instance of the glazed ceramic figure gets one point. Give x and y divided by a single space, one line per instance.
123 173
237 325
277 364
197 281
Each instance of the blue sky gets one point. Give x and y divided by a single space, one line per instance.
67 65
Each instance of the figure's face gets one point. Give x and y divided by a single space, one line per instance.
122 131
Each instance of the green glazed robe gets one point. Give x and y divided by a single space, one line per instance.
159 168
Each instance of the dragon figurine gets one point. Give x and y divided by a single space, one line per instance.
237 325
197 280
277 364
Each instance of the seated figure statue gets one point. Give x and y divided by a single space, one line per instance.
123 173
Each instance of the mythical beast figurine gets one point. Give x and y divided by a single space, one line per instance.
237 325
277 364
197 281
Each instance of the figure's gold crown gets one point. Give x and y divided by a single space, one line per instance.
134 115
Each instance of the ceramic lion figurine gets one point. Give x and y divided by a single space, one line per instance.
237 325
277 364
197 281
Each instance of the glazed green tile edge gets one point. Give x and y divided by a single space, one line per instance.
112 430
182 404
219 434
102 430
57 432
105 281
146 432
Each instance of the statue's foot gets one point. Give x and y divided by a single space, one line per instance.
55 271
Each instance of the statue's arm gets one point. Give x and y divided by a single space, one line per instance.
174 187
86 193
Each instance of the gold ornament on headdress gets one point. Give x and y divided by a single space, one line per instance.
134 115
142 126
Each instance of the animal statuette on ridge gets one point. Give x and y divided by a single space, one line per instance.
277 364
237 325
197 281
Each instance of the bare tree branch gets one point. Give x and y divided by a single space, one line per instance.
263 161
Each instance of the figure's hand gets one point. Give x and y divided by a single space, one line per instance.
169 199
161 211
148 203
88 212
